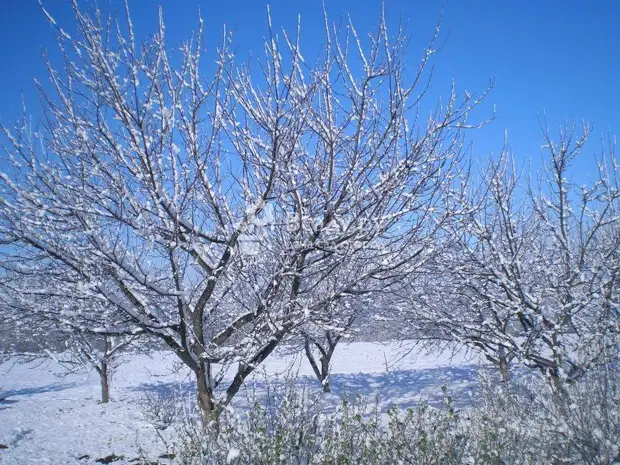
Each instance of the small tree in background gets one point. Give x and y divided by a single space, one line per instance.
103 353
75 334
534 271
321 339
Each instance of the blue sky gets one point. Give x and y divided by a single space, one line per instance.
561 58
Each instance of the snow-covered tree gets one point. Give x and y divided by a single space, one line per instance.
102 353
369 314
322 335
208 209
533 275
76 333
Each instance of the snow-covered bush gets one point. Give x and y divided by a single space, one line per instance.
529 424
524 423
296 427
161 409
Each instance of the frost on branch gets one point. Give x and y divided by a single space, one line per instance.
217 211
532 275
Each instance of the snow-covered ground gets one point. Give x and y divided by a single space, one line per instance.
49 418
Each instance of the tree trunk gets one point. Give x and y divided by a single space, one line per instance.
503 368
321 373
325 374
105 382
556 384
501 362
204 393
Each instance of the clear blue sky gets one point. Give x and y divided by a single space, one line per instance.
561 57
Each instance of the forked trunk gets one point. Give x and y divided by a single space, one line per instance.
321 373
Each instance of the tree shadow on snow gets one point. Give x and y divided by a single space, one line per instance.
400 388
408 388
165 388
9 395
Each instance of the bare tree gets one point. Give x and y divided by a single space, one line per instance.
322 335
77 334
103 353
208 211
533 276
368 315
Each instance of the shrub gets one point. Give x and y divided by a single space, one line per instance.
523 423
